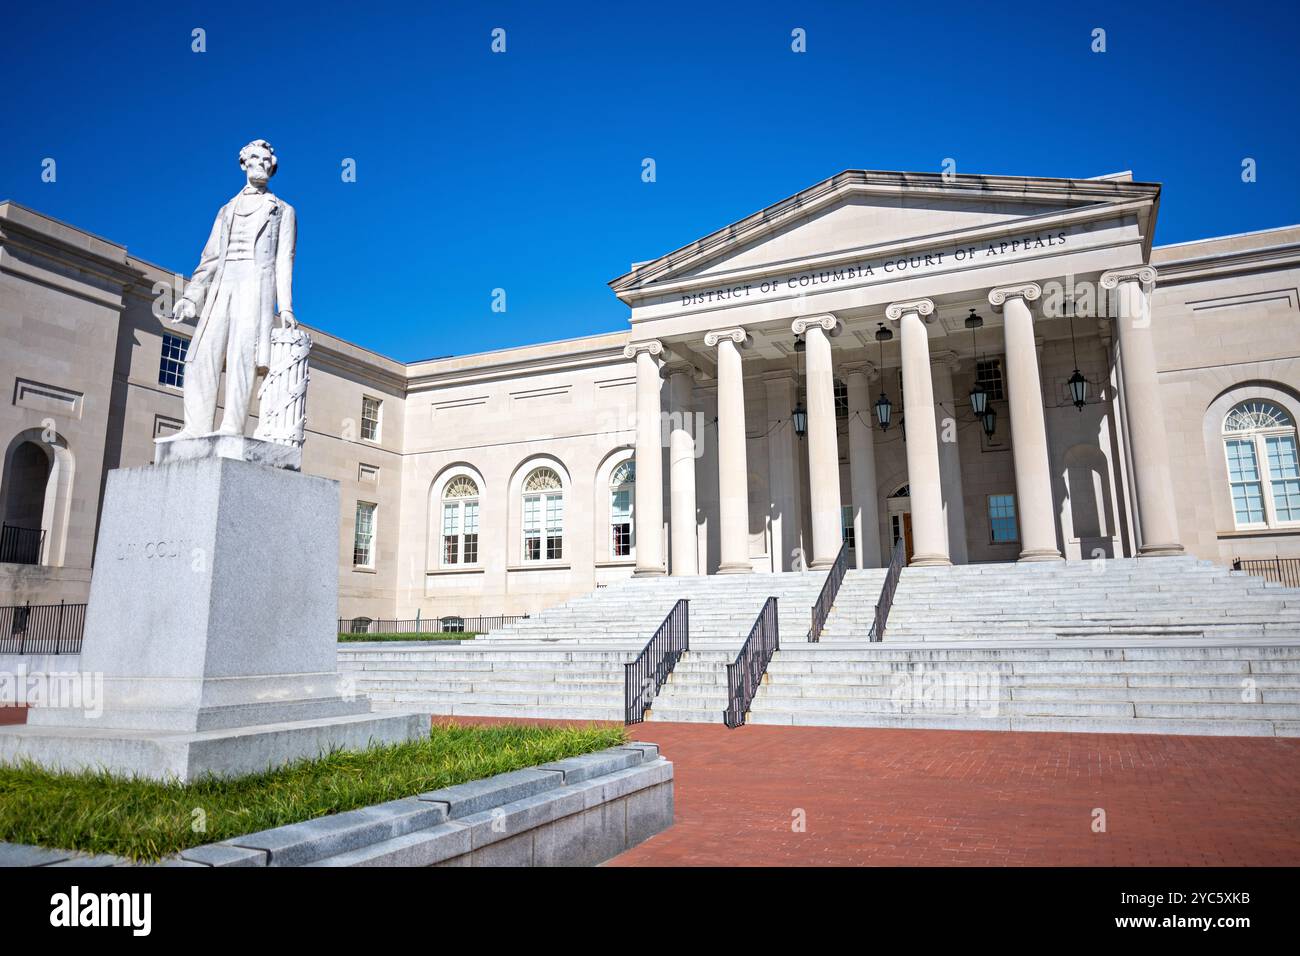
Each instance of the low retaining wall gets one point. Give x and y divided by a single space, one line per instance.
580 811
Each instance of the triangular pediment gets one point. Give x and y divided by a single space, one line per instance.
861 211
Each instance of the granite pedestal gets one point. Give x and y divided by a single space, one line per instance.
212 624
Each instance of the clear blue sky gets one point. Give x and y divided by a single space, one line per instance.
523 170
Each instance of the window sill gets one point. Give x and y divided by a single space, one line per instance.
362 569
540 566
468 569
628 562
1289 529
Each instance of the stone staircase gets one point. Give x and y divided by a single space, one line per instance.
723 608
1180 598
1171 645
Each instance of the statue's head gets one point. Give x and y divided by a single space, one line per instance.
258 162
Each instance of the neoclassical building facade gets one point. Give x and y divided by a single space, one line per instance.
982 368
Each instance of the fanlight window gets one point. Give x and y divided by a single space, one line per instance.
1263 472
460 511
543 516
622 500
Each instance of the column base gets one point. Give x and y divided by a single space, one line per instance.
1041 554
649 572
735 569
1160 551
929 561
821 564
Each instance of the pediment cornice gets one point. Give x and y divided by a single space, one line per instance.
1094 199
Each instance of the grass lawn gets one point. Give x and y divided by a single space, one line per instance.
417 636
144 820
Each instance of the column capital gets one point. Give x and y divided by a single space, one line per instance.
737 335
825 321
653 347
1146 275
869 369
946 357
922 307
679 368
1029 291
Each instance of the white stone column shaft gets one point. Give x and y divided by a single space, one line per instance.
862 468
733 468
929 536
1028 427
823 441
685 554
945 417
649 493
784 485
1157 514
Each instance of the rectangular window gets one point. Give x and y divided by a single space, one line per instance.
171 368
1243 477
368 473
533 528
1284 475
554 528
471 532
363 541
450 534
370 412
846 526
620 518
989 375
841 399
1002 518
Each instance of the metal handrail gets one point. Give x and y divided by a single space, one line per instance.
746 674
21 545
643 677
826 599
896 561
42 628
1279 570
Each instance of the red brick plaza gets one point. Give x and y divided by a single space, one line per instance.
935 797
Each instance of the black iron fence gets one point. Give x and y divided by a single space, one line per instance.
21 545
897 559
826 599
1284 571
448 623
746 673
643 677
42 628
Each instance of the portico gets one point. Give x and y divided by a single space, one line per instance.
868 280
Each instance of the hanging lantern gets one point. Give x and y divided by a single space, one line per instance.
884 408
1078 389
979 400
800 418
989 420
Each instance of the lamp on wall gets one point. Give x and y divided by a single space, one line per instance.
979 398
1078 384
884 408
989 420
800 414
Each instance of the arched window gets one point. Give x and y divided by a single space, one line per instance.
622 497
543 523
460 507
1259 440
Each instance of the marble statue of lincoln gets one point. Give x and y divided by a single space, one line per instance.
246 269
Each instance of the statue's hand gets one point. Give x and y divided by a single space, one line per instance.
289 321
184 310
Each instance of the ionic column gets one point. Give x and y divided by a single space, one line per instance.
1028 428
784 483
823 443
1157 516
942 365
733 470
862 466
929 538
685 554
649 493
